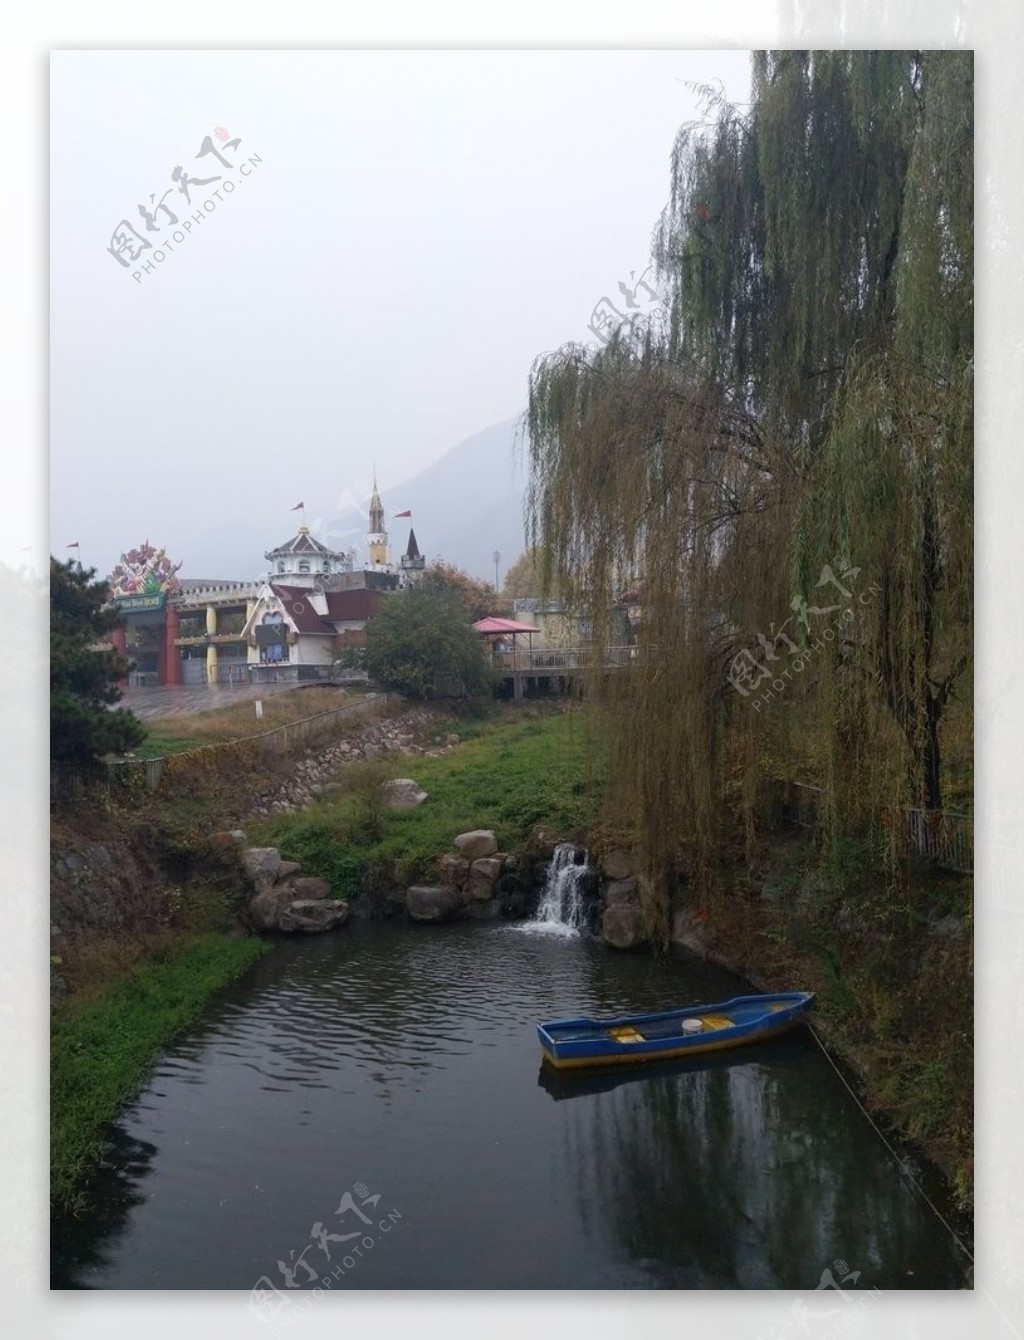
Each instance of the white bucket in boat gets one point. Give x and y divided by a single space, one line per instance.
693 1025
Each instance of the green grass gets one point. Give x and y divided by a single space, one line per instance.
102 1051
510 777
159 746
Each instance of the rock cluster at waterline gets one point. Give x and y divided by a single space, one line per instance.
285 901
622 921
474 883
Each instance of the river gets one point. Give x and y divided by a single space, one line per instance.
370 1107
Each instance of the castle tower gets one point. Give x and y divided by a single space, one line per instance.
412 561
303 560
377 537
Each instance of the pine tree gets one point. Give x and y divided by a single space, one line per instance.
84 674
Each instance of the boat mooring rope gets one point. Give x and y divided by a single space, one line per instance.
904 1172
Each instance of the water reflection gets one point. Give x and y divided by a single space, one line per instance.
405 1058
92 1241
746 1172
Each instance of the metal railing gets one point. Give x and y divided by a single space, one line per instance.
945 836
72 784
559 660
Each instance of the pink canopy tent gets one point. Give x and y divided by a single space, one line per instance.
497 631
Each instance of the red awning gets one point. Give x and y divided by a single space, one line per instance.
503 626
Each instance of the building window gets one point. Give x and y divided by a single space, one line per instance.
327 566
280 565
303 564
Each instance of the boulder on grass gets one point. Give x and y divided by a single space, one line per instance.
431 903
232 838
402 793
479 842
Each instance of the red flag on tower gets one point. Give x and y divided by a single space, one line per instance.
297 506
400 514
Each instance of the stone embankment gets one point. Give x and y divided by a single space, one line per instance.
421 731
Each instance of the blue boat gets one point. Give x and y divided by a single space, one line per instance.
573 1043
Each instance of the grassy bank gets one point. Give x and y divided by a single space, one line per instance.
102 1049
179 731
514 771
891 961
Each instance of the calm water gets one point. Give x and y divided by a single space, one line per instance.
401 1062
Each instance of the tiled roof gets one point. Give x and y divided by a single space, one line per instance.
355 604
297 605
302 543
342 607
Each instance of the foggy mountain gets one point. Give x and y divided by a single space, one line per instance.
467 504
464 506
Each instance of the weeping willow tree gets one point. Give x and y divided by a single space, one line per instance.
809 394
894 484
648 479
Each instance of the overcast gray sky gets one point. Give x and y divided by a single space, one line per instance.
419 227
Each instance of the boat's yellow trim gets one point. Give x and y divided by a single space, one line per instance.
628 1034
691 1049
717 1021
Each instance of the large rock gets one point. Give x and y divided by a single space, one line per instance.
454 871
313 914
232 838
622 926
617 864
479 842
288 868
312 886
484 874
431 903
262 865
402 793
620 891
688 930
263 910
266 906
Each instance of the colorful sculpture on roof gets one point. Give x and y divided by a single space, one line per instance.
145 572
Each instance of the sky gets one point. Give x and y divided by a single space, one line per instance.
389 240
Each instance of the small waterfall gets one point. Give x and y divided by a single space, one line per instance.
561 910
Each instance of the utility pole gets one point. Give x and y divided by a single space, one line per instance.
497 560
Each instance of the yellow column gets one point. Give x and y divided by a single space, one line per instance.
211 651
